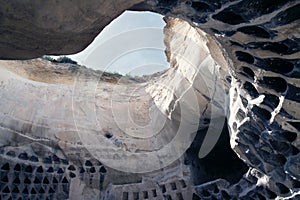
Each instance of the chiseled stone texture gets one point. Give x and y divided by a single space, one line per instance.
260 41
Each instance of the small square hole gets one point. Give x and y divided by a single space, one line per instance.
183 185
136 196
154 193
163 188
179 196
168 197
145 194
125 196
173 186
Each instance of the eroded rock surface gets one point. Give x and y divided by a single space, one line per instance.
31 29
260 43
83 132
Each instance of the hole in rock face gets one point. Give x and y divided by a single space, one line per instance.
28 169
285 47
287 16
23 156
102 170
72 175
277 65
250 136
11 153
71 168
145 194
255 31
17 167
179 196
136 196
271 100
215 164
295 124
108 135
261 113
25 191
17 181
287 135
200 6
40 169
244 101
296 184
36 180
251 89
205 193
282 188
293 92
33 191
248 72
50 170
276 83
125 196
229 17
27 181
5 167
4 179
163 188
6 190
246 11
154 194
34 159
245 57
88 163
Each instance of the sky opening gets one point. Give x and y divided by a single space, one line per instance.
132 44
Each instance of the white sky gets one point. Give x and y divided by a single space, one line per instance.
131 44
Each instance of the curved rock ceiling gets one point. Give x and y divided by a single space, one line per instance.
254 45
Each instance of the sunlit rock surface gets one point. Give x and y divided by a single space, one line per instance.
43 153
63 114
96 130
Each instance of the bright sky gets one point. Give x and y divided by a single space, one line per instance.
132 44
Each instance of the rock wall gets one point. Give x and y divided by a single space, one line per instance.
260 44
55 114
31 29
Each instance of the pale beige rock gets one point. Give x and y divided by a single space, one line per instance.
129 125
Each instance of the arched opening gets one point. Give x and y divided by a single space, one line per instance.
139 34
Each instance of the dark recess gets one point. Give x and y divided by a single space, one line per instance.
293 93
229 18
255 31
271 100
251 89
244 57
288 16
276 83
215 164
250 9
201 7
248 72
285 47
261 113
